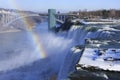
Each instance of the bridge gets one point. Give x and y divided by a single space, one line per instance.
7 18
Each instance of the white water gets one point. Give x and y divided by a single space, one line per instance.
20 61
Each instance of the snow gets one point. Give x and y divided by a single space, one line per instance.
91 58
75 50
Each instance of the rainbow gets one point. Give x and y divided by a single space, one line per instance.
38 45
34 36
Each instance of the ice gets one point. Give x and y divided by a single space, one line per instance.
90 58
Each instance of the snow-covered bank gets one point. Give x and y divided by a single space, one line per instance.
104 59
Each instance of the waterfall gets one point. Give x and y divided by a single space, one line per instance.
69 63
78 34
61 50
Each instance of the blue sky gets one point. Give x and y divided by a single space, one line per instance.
62 5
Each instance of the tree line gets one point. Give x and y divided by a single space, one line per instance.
112 13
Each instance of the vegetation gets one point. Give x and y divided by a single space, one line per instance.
112 13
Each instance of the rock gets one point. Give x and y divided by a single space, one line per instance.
87 75
67 24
